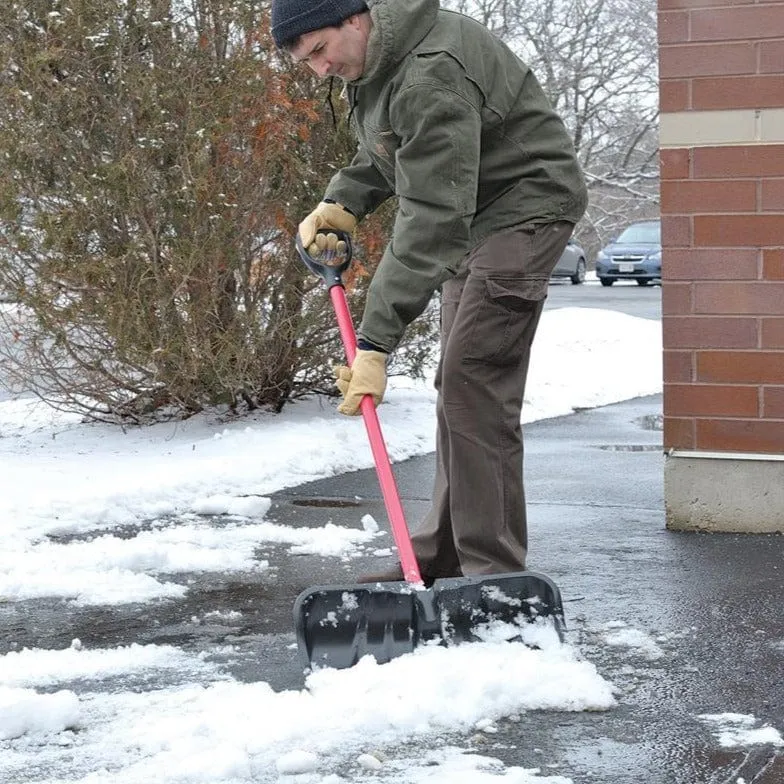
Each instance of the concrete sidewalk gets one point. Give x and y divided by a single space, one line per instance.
706 610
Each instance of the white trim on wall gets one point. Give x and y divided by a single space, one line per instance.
717 128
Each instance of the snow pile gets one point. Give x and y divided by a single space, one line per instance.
230 731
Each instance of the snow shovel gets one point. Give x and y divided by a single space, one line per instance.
337 625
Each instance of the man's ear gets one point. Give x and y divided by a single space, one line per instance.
355 20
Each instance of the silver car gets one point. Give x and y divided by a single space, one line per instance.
571 264
635 255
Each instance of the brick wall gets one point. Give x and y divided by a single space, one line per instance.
722 204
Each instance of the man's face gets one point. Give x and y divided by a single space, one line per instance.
335 51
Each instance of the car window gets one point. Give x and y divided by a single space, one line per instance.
642 234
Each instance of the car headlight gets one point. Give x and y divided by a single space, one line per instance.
601 256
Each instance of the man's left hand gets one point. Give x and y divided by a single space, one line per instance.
366 376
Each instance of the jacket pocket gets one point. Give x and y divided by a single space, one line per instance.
506 318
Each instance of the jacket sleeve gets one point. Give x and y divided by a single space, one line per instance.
359 186
436 174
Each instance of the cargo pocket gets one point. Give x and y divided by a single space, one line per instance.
506 319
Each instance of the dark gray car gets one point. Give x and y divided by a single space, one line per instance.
635 255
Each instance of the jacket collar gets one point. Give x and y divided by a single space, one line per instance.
397 27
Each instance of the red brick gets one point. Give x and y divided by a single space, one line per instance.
709 332
738 92
772 333
679 433
674 95
724 231
711 264
739 435
772 199
763 160
758 298
678 365
773 402
771 57
773 264
709 196
673 26
740 367
676 231
701 400
737 24
676 298
685 60
675 163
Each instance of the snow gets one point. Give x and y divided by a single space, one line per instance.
739 730
87 515
22 712
47 668
228 729
618 635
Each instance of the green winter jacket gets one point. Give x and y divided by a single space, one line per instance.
450 121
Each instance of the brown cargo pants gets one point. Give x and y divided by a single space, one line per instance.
489 315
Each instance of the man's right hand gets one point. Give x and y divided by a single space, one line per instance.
327 215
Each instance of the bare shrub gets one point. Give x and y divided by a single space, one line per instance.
156 159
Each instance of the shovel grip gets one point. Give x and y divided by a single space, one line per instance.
386 478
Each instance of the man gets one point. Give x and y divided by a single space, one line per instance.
451 122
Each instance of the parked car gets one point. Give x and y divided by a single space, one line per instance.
571 264
634 255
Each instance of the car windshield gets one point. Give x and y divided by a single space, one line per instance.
642 234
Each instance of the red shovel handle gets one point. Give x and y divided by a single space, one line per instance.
386 478
331 273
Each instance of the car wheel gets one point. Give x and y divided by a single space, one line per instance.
607 281
579 273
643 282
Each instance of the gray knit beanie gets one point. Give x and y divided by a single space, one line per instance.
293 18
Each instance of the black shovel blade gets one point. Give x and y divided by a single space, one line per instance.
473 608
337 626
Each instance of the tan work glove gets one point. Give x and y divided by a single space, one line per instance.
327 245
327 215
366 376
